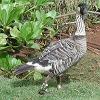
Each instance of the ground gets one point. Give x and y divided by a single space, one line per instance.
84 78
84 84
25 90
94 38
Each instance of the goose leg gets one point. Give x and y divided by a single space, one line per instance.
58 78
45 84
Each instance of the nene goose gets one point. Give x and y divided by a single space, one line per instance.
61 55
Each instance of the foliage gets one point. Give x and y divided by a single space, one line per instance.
9 13
3 39
39 3
22 22
7 62
98 3
37 76
25 33
32 30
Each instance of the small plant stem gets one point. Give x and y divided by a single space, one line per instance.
28 75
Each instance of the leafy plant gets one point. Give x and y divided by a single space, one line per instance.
5 1
47 20
98 3
26 34
22 1
3 39
42 2
9 13
32 30
17 33
8 62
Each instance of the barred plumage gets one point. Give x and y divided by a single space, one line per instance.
66 52
62 54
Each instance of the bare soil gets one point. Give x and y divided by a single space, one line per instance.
94 39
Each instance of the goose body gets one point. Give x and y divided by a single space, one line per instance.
62 54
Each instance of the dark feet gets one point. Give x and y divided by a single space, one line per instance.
42 92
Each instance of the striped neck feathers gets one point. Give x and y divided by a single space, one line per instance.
80 26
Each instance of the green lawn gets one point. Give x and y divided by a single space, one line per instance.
84 84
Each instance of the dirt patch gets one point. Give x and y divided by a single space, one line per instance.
94 39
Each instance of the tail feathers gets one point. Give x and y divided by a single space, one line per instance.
22 69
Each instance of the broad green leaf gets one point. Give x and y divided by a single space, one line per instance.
9 13
51 14
18 24
5 6
14 62
22 1
26 31
4 12
14 14
4 17
48 21
2 35
49 3
37 30
37 33
40 15
41 2
98 3
6 1
14 32
37 76
3 40
8 62
35 46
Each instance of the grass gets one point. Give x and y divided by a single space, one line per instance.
12 89
84 84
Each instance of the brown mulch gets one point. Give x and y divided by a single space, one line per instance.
94 39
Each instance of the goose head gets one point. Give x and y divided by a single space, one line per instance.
82 10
